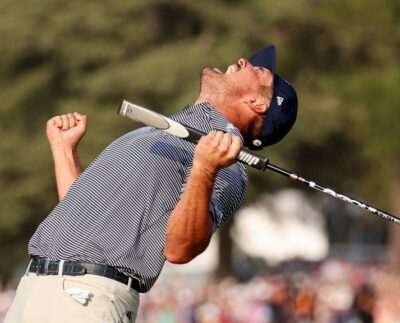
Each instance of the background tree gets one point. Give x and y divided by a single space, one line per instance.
56 57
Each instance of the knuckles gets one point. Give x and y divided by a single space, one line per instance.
66 119
218 148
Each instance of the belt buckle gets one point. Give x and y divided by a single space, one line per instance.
74 268
42 267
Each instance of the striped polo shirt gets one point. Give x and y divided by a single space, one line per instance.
116 211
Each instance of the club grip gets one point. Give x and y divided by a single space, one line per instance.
253 160
158 121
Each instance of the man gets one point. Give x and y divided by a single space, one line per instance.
147 198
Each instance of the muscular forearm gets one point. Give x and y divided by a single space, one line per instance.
67 168
190 226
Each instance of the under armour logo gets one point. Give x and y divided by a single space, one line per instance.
279 100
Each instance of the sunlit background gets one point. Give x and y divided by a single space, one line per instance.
290 253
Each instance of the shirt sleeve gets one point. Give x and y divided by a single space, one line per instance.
228 193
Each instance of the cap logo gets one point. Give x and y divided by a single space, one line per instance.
257 142
279 100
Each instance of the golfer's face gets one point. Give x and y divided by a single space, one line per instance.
240 78
244 73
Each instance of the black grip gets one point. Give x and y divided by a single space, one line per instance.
253 160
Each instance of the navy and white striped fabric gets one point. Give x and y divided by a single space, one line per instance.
117 210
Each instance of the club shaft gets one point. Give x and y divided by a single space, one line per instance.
334 194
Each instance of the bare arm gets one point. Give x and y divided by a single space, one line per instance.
189 227
64 133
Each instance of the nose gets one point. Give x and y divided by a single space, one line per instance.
242 62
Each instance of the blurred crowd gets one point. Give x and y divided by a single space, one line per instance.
334 291
7 293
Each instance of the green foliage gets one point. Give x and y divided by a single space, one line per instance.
62 56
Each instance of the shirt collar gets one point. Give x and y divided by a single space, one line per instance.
215 118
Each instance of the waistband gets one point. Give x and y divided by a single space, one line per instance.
43 266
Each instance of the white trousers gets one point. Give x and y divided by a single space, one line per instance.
59 299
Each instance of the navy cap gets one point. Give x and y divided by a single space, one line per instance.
282 111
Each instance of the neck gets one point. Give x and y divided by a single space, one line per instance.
231 111
202 98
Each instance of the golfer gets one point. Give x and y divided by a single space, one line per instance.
147 198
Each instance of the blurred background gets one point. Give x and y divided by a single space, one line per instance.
290 254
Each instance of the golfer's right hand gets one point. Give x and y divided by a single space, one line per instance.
216 150
65 131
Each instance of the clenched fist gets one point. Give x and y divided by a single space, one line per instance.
216 150
66 130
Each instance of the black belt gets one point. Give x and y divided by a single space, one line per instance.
42 266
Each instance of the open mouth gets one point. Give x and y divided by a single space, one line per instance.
232 69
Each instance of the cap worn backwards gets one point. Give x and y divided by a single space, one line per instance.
282 112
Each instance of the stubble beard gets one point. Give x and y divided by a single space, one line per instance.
214 87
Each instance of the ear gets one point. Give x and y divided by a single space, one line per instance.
257 104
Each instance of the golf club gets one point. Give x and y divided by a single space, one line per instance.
158 121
